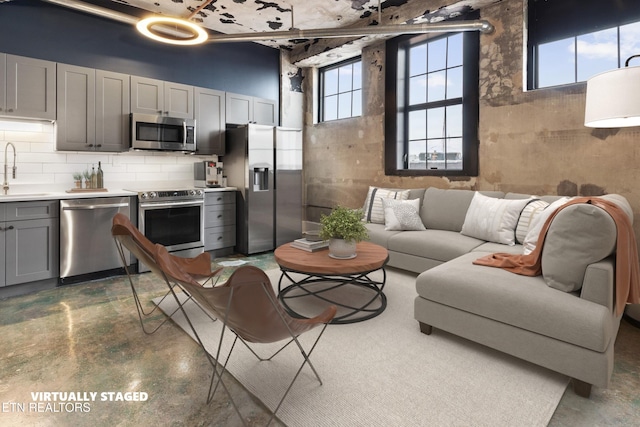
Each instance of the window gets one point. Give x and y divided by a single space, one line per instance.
589 39
432 127
341 90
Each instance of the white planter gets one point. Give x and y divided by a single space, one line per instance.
339 248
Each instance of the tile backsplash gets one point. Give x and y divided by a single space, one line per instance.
38 162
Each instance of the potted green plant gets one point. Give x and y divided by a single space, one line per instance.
87 178
343 227
77 178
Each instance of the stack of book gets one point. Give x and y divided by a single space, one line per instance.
309 245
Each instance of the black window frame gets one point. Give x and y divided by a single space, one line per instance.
321 97
396 106
549 21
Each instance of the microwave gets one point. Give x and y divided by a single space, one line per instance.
151 132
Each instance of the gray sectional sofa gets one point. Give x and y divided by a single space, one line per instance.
563 320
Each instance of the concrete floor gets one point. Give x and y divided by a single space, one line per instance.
87 338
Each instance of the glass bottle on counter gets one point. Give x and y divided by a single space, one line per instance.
100 176
94 177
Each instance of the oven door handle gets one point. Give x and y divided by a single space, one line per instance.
86 207
171 204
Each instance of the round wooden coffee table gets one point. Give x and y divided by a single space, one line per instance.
317 280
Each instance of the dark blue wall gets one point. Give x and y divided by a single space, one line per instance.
41 30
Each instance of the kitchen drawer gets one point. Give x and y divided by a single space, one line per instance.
219 197
219 237
31 210
219 215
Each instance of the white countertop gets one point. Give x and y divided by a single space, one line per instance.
20 193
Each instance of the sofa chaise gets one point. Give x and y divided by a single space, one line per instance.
564 319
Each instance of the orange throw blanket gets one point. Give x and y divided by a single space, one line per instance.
627 286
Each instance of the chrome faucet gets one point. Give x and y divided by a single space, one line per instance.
5 183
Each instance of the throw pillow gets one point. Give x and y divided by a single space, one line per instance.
529 213
402 215
531 239
373 210
493 220
578 236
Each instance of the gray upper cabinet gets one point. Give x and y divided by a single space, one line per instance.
210 121
93 109
76 128
112 111
239 109
28 87
243 109
265 112
3 83
151 96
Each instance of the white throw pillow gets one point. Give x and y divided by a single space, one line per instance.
493 220
373 210
527 216
531 239
402 215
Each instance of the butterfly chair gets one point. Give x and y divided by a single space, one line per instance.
126 235
247 305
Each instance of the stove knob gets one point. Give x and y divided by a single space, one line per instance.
200 192
144 196
153 195
192 192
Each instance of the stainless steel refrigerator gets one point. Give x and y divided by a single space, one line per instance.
249 166
289 181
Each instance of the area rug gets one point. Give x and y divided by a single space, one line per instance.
384 372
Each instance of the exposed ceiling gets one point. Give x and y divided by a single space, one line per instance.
247 16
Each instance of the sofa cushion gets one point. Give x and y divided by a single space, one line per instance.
439 245
373 210
492 248
492 219
446 209
378 235
402 215
579 235
521 301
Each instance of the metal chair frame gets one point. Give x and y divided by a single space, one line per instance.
142 314
219 368
215 363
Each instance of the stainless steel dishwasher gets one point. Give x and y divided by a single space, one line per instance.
86 244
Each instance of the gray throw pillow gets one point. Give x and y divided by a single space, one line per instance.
579 235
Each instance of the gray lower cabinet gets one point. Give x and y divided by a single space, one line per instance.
28 241
220 220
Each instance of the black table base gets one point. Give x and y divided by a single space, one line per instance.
321 287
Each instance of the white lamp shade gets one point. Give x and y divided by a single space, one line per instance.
613 99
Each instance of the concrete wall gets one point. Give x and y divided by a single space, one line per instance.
531 142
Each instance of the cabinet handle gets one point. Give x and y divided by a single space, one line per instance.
166 112
220 216
10 110
8 228
219 237
98 145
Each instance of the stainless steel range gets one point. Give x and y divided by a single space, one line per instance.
173 218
